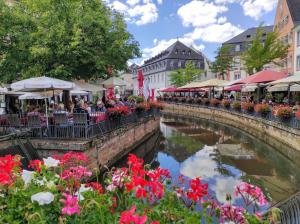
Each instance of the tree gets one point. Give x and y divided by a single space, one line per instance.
223 61
62 38
185 75
261 53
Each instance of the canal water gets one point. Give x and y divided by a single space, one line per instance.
222 156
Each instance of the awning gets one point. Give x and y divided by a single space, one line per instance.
264 76
236 88
168 90
287 80
205 84
283 87
249 88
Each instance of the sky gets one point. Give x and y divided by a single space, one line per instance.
204 24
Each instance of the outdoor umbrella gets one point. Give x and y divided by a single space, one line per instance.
114 81
288 80
168 90
264 76
42 83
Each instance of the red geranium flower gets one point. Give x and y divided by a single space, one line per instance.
36 165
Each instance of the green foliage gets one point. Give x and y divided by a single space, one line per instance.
137 99
65 39
223 61
262 53
185 75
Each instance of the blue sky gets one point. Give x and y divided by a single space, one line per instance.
205 24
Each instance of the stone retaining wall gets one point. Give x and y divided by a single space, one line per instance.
283 138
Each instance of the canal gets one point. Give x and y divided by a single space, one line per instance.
222 156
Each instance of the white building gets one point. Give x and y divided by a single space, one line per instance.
157 70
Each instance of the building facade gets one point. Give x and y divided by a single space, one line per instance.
287 17
239 44
297 50
157 69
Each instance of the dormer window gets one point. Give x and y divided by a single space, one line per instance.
189 52
176 52
183 52
248 36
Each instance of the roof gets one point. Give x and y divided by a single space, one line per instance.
294 7
262 77
170 52
249 34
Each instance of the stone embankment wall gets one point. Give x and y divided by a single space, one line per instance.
283 138
104 150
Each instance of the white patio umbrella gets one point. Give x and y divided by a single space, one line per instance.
42 83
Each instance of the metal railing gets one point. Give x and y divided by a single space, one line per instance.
292 122
72 130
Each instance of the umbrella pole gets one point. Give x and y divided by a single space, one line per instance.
46 108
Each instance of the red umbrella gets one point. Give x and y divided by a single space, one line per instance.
190 90
262 77
168 90
236 88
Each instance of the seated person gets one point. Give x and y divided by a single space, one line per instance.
100 107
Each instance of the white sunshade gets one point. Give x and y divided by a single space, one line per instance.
39 95
3 90
78 92
249 88
114 81
287 80
284 87
42 83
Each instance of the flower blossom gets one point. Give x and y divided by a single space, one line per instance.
36 165
9 166
197 190
43 198
95 186
50 162
73 159
27 176
76 173
233 214
128 217
251 194
70 205
82 189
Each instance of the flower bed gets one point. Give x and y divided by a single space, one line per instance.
141 107
247 106
117 112
56 191
156 105
263 109
283 112
236 105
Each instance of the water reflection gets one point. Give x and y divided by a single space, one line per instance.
224 156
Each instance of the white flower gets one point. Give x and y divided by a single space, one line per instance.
50 162
27 176
43 198
111 187
81 190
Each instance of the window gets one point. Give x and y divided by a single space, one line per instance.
298 38
190 52
183 52
176 52
179 64
237 47
298 63
237 75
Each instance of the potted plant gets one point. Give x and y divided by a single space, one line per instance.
214 102
262 109
236 105
198 101
247 106
297 114
115 113
226 103
283 112
205 101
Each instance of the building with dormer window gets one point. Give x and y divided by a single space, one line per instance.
157 69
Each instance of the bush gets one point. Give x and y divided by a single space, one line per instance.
214 102
262 109
57 191
247 106
236 105
137 99
226 103
283 112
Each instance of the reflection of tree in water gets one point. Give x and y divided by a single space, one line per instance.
181 146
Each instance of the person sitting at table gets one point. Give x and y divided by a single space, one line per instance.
118 102
61 109
100 107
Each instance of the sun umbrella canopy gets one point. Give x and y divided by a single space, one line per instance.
249 88
236 88
3 90
290 79
262 77
42 83
114 81
283 87
168 90
205 84
84 86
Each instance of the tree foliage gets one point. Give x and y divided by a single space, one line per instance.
185 75
223 61
261 53
62 38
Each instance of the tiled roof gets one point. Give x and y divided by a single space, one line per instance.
294 7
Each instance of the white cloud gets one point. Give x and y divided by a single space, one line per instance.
222 20
217 33
160 1
119 6
224 186
161 45
200 13
226 1
143 14
256 8
137 12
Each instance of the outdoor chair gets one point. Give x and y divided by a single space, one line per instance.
36 126
81 125
62 127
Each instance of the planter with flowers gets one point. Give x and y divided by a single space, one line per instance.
236 105
297 114
262 109
215 102
198 101
226 103
206 101
247 107
284 113
56 191
115 113
142 108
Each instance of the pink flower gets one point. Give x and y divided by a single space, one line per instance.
232 213
250 194
128 217
70 205
76 173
